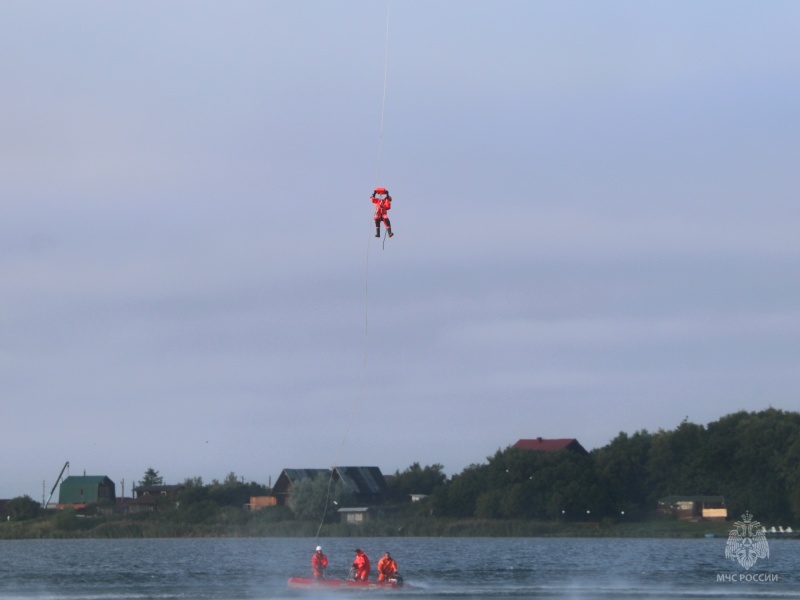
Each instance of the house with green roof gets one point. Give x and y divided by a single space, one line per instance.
79 491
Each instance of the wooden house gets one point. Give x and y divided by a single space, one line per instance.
366 484
80 491
695 508
158 491
282 490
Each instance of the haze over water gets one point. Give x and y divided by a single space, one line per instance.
221 569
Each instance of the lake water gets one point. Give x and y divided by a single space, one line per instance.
441 568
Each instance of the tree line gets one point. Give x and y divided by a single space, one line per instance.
752 459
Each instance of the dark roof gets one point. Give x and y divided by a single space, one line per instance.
296 475
544 445
677 498
363 480
157 489
289 477
359 480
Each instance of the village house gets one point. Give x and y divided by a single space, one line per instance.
259 502
694 508
79 491
163 491
551 445
366 484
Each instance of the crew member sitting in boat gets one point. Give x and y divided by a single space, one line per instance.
318 563
387 568
361 566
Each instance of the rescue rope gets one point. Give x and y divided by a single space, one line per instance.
366 293
358 395
383 102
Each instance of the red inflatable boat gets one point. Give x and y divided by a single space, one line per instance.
308 582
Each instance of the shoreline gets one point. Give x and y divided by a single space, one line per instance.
118 527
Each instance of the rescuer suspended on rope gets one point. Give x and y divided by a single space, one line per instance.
383 202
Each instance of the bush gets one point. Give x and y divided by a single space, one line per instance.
23 508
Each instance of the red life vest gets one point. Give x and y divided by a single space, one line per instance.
381 206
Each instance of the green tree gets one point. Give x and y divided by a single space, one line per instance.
749 458
23 508
459 498
621 468
416 480
151 477
763 476
233 491
313 498
524 484
193 492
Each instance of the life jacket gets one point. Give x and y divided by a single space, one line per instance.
361 564
386 568
382 205
319 561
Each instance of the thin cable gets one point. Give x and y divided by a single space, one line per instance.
366 292
358 396
383 103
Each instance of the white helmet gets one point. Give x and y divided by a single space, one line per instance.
319 548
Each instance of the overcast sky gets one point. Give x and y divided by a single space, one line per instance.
595 209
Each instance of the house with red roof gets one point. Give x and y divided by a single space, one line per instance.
551 445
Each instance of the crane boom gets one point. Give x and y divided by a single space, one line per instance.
55 485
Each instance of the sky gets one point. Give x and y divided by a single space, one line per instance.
594 206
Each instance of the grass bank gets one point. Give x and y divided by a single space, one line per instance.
238 523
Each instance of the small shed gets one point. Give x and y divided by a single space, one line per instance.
78 491
355 515
259 502
712 508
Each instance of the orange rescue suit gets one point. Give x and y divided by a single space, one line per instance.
387 567
318 563
362 566
382 206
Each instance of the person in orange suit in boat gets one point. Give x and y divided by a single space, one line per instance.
361 566
383 202
318 563
387 568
